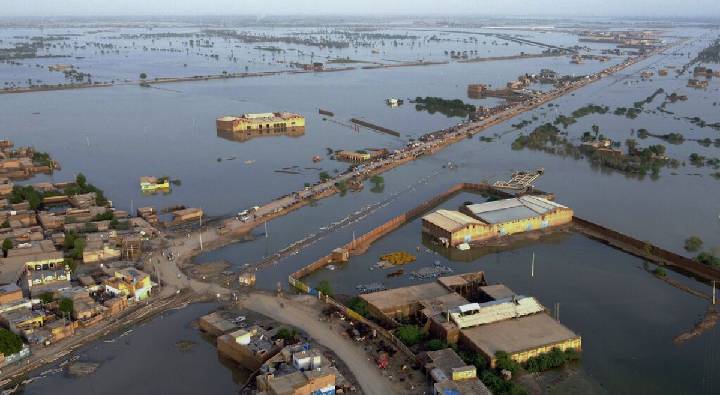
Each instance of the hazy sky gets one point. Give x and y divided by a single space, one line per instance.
445 7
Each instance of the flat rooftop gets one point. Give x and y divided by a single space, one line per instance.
460 280
446 360
497 291
444 303
520 334
393 298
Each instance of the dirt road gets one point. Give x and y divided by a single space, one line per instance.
296 314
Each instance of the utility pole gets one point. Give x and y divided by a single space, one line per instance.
157 275
353 244
532 266
201 245
713 297
557 311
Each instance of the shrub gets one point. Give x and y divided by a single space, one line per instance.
693 244
47 297
359 305
708 258
325 287
106 216
10 343
553 359
503 361
436 344
7 245
409 334
288 334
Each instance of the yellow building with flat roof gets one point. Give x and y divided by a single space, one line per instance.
260 122
478 222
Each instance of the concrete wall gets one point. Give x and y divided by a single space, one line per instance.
229 348
644 249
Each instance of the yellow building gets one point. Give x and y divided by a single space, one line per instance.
131 283
478 222
260 122
151 184
451 227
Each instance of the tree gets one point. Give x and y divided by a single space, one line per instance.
10 343
47 297
359 305
81 180
376 179
78 248
631 144
7 245
342 187
708 258
692 244
66 306
143 76
409 334
287 334
71 264
69 241
324 176
325 287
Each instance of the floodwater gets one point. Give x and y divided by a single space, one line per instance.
627 318
147 360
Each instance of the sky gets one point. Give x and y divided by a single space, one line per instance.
707 8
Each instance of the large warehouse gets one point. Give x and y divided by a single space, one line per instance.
478 222
484 318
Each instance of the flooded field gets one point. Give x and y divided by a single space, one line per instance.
121 54
117 134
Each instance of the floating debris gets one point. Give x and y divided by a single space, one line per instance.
398 258
82 368
185 345
430 272
372 287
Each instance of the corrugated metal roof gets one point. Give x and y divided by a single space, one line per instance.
450 220
498 310
493 206
507 215
513 209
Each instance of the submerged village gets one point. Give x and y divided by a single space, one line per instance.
429 243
